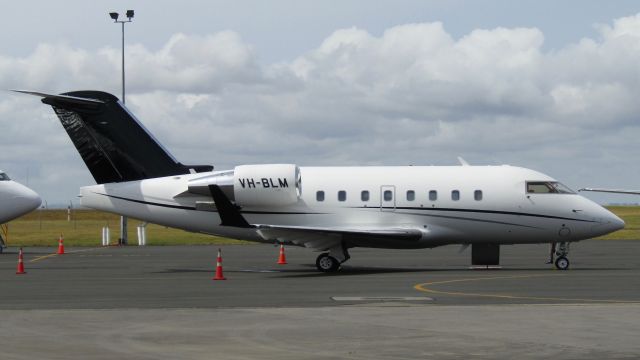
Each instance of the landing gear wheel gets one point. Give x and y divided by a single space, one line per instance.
562 263
327 263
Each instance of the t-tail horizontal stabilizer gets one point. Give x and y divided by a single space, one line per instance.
114 145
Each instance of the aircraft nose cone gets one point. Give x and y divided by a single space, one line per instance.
34 199
606 222
616 223
610 223
29 200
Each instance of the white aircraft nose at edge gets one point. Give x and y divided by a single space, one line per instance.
15 201
327 209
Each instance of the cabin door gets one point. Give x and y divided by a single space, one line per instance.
387 198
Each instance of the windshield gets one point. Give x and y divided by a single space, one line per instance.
4 177
547 187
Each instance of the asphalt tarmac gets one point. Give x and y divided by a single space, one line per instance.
161 303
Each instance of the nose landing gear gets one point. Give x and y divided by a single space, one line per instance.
562 263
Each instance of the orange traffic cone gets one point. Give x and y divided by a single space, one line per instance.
219 275
60 245
20 270
282 259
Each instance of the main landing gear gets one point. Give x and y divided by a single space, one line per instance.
330 261
562 263
327 263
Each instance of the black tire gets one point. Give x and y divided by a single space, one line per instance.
562 263
327 263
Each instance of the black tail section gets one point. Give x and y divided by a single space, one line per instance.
114 145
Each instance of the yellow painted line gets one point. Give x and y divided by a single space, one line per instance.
426 287
66 252
42 257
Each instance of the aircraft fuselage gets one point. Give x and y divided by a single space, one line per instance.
448 204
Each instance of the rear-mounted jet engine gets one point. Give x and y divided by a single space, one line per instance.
255 185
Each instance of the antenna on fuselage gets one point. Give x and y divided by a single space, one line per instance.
463 162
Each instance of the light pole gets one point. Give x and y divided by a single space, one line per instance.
114 16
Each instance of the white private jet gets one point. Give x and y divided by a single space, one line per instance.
15 201
329 209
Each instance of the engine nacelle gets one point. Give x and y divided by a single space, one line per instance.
254 185
266 185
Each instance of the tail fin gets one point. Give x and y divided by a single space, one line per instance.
114 145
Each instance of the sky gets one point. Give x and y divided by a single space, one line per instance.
552 86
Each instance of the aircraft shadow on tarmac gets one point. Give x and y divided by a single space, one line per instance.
352 271
310 271
359 271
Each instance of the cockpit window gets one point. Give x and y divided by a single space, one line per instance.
547 187
4 177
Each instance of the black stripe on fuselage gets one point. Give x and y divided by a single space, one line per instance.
376 208
513 213
282 212
471 219
193 208
150 203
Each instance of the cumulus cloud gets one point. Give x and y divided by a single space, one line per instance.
412 95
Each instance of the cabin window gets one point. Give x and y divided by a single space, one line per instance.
455 195
342 195
320 196
433 195
364 195
4 177
387 195
411 195
477 195
547 187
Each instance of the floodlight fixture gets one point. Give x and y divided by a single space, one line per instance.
114 16
130 14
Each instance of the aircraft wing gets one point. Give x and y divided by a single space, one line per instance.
323 238
319 238
614 191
